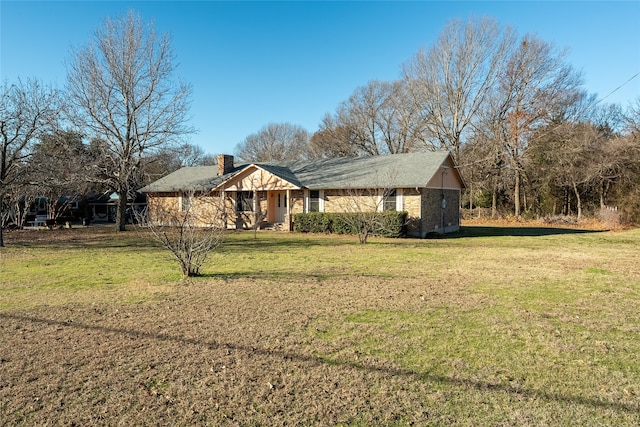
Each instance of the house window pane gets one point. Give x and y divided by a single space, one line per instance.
185 204
244 201
314 201
389 201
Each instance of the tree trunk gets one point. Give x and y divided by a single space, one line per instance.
1 237
516 193
578 201
604 187
121 211
494 200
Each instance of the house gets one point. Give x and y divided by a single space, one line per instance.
426 185
102 207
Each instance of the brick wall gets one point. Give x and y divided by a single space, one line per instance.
436 219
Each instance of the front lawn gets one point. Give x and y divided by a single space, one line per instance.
492 326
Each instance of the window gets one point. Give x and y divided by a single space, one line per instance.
185 202
282 200
314 201
244 201
389 202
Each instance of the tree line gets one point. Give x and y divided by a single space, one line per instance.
513 112
529 139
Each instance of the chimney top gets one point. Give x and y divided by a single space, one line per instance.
225 164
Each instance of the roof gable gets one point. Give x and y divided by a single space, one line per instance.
260 178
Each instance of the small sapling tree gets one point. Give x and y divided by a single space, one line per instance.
364 207
364 210
190 232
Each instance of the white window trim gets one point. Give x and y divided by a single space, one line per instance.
307 200
399 200
181 203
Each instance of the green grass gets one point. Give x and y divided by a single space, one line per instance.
102 267
491 326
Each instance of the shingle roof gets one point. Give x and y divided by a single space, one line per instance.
397 170
188 178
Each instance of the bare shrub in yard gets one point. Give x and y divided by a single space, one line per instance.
364 206
190 232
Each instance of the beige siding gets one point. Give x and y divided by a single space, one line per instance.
158 202
447 177
297 202
257 179
424 207
411 203
340 201
208 208
205 208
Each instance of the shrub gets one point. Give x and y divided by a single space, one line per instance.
312 222
387 224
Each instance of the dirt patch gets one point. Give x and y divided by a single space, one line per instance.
217 353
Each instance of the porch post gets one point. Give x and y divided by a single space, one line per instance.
256 206
288 218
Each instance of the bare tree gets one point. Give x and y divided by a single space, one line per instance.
259 215
168 159
364 208
332 140
27 111
631 118
535 86
189 233
275 142
59 170
451 80
623 154
567 156
121 85
378 118
539 84
361 208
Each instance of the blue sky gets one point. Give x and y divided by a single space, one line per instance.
252 63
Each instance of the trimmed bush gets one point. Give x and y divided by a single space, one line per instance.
312 222
387 224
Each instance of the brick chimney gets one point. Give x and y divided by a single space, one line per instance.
225 164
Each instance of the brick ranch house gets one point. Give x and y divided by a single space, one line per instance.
426 185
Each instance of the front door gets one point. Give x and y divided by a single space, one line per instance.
281 206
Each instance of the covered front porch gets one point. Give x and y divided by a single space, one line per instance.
257 197
264 209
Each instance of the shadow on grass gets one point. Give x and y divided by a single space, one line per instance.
487 231
77 238
318 361
288 276
103 237
266 241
